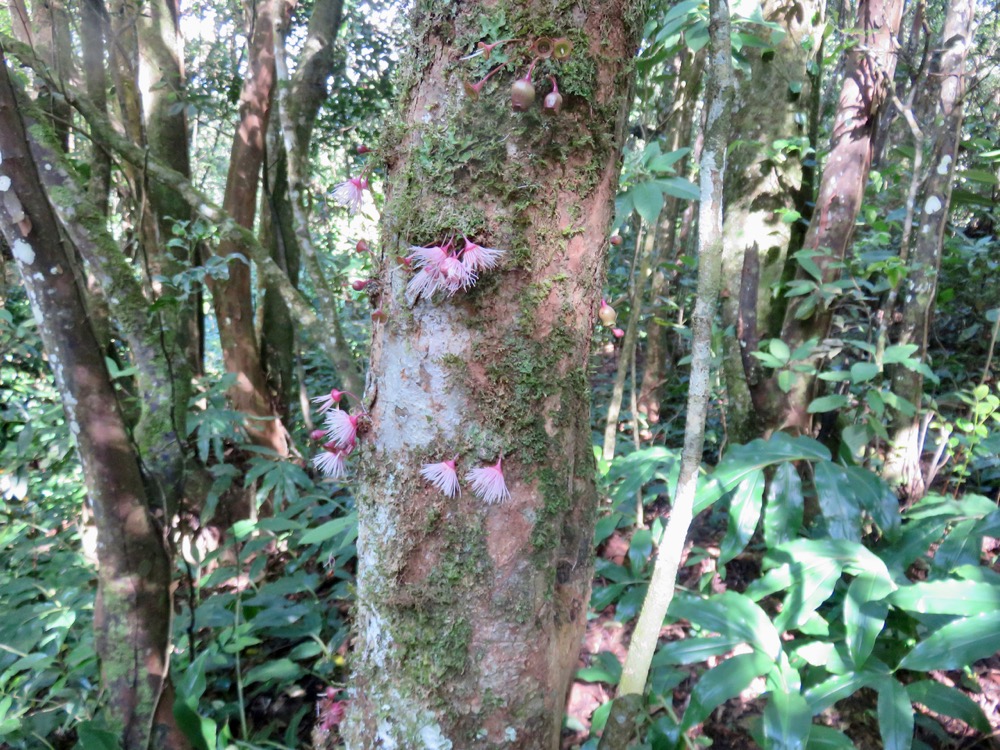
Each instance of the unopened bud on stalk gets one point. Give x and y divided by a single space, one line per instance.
522 93
607 314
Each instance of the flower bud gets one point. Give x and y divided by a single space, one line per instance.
522 94
363 149
359 284
616 240
379 316
552 103
617 332
362 247
317 434
607 314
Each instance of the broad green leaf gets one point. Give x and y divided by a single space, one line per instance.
811 582
680 188
606 526
962 546
329 530
787 721
600 717
895 715
837 501
199 730
862 372
695 649
744 513
825 738
648 200
93 736
779 349
279 670
730 615
827 403
877 498
665 162
948 598
949 701
956 645
783 512
604 596
898 353
864 616
605 668
914 540
640 548
820 697
741 461
725 681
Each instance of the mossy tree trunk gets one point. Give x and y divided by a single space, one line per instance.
469 615
132 612
946 87
767 182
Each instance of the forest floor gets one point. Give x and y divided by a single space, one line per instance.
728 726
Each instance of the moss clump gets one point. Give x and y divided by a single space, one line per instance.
431 613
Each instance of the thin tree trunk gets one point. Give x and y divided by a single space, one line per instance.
870 66
657 364
646 238
719 86
947 81
132 613
763 189
298 104
470 614
233 297
92 26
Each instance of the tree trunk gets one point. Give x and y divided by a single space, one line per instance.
132 612
658 363
628 702
233 297
764 187
469 614
947 85
870 67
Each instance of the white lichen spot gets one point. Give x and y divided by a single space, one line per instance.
4 183
510 733
23 252
434 739
944 165
384 737
933 205
48 167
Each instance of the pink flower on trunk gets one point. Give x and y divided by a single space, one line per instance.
351 193
488 483
332 462
477 258
443 476
326 402
341 428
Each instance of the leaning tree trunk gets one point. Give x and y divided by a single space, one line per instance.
132 613
766 183
470 614
947 85
869 69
